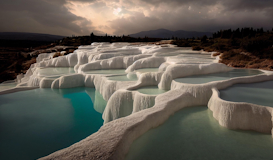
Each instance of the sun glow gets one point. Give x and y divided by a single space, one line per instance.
117 11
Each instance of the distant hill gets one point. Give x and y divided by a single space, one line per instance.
164 33
29 36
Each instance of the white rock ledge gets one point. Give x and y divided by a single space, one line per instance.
114 138
240 115
204 90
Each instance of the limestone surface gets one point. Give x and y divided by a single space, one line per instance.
129 113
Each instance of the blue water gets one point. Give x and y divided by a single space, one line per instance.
38 122
193 134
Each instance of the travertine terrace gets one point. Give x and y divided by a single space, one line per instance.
129 113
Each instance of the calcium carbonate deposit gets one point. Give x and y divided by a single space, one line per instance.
143 86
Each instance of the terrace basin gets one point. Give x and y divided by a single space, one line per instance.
151 90
199 79
5 86
146 70
52 71
257 93
193 133
106 71
37 122
131 77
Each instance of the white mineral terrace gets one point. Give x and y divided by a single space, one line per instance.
143 86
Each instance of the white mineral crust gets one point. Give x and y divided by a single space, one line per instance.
129 113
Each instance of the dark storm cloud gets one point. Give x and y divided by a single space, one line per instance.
230 4
248 4
198 15
52 16
179 2
44 16
85 1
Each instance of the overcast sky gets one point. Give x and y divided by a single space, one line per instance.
81 17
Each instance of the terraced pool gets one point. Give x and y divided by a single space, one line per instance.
38 122
146 70
193 133
5 86
151 90
106 71
53 71
257 93
199 79
131 77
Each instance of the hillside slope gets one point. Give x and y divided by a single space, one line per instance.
28 36
164 33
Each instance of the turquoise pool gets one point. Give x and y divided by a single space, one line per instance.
199 79
38 122
257 93
193 133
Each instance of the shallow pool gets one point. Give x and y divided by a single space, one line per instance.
38 122
199 79
191 58
5 86
106 71
131 77
53 71
193 133
257 93
146 70
151 90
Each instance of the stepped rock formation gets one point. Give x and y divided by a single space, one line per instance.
129 113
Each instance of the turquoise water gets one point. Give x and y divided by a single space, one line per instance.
199 79
193 134
98 102
257 93
38 122
151 90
